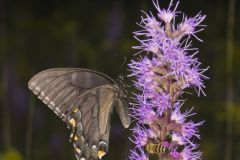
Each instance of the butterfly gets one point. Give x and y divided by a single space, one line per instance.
84 100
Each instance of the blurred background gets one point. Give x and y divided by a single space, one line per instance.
42 34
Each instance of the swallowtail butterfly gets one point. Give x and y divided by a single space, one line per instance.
84 100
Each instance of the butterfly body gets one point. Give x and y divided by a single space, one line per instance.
84 100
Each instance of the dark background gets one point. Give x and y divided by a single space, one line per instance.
41 34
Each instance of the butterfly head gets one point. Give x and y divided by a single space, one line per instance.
122 87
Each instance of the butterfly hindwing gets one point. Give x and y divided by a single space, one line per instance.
94 107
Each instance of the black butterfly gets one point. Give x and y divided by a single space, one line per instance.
84 99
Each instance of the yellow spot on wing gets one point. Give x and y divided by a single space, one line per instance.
78 150
75 110
101 154
75 138
72 122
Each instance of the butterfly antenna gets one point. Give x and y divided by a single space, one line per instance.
124 62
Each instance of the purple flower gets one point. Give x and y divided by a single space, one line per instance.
189 129
176 137
168 67
189 25
179 117
187 153
138 154
141 135
166 15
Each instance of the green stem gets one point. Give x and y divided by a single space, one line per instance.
29 134
5 110
230 93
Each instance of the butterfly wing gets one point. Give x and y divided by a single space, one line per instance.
60 86
90 122
83 99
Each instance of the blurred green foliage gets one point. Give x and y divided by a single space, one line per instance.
11 155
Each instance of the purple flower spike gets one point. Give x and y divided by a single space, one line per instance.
162 74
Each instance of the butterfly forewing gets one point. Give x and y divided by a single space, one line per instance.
84 100
58 86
